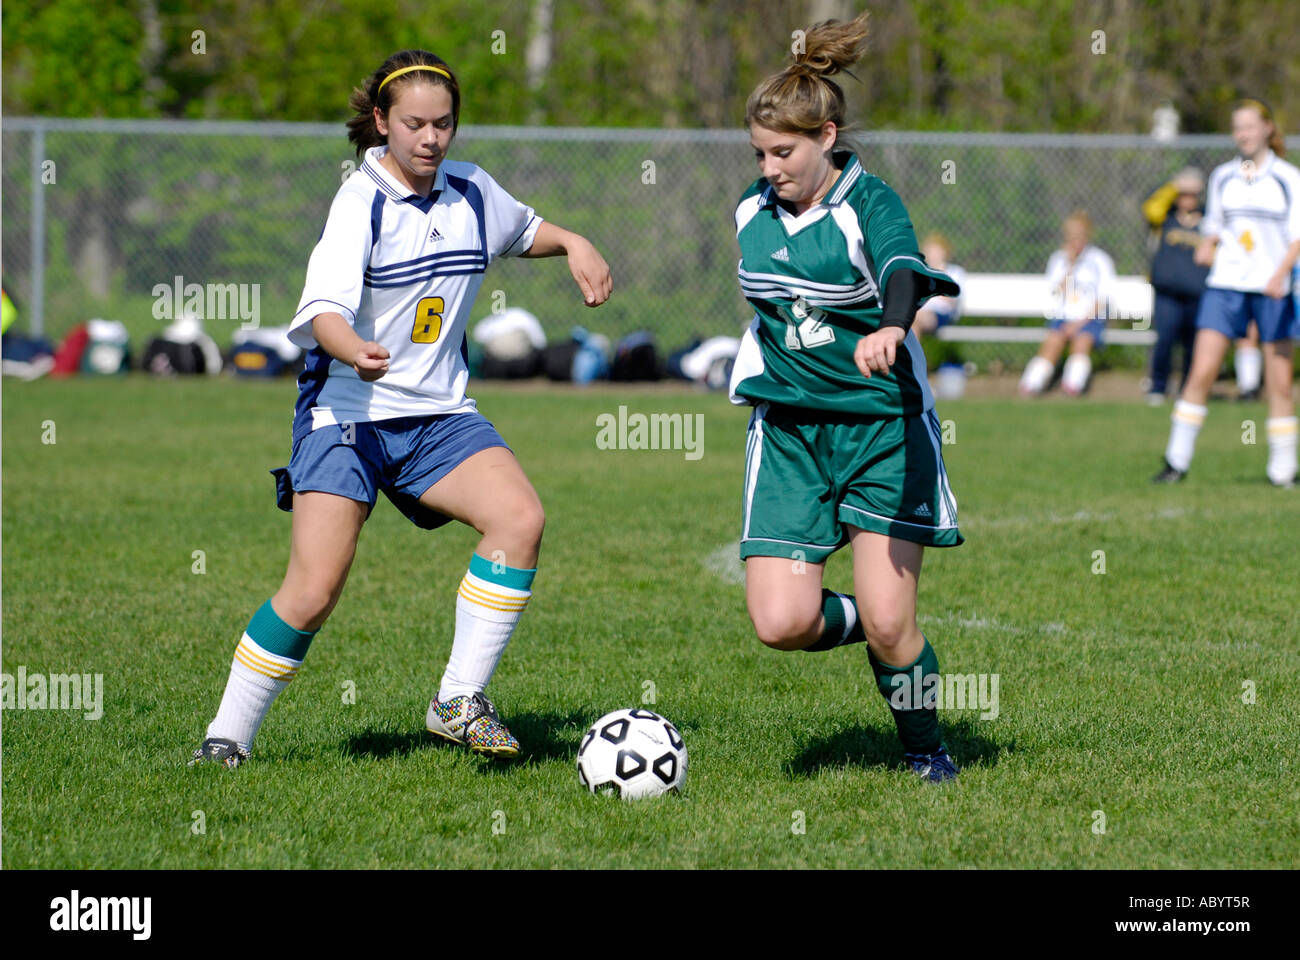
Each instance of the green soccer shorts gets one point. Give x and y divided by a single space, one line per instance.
811 474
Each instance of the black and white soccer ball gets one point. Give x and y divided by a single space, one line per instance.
632 754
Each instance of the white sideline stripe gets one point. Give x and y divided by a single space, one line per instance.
725 563
1079 516
974 622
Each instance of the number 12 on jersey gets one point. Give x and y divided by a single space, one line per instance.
812 330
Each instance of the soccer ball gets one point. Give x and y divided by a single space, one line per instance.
632 754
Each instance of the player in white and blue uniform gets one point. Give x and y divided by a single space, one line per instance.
1251 243
1080 278
382 405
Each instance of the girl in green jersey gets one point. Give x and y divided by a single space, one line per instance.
844 444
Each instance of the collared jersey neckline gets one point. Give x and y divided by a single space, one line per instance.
393 187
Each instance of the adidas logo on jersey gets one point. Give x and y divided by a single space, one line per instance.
435 236
783 255
922 511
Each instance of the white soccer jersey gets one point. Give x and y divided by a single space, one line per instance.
403 270
1255 217
1079 290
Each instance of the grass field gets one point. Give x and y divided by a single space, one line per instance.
1120 692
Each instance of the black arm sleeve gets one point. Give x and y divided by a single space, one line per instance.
901 295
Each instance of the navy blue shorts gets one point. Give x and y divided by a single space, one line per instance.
1230 312
403 457
1095 327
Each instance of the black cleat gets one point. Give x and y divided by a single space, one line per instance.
225 752
1248 396
933 767
1169 474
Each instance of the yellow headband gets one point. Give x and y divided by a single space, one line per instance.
1263 110
418 66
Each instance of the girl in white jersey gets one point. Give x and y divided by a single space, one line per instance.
1079 279
1251 242
382 403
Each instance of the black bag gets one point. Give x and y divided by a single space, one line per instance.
636 358
164 358
520 368
557 361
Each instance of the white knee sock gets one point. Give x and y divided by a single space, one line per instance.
487 611
1078 367
1187 420
1282 435
256 678
1037 375
1249 364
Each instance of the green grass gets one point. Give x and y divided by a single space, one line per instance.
1119 692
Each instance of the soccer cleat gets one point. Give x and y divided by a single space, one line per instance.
1169 474
1248 396
225 752
472 721
934 767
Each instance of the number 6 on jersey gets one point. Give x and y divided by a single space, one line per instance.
428 320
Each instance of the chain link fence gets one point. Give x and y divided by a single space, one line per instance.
97 213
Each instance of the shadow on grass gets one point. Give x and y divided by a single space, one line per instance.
542 737
867 747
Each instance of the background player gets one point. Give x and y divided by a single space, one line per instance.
1174 212
1252 240
1079 277
844 443
382 403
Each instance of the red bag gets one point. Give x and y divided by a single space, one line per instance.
67 359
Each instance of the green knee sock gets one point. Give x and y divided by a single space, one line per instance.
908 691
840 611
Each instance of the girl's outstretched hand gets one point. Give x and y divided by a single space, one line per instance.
590 271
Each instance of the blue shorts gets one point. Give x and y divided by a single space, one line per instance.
1096 328
1230 312
944 314
403 457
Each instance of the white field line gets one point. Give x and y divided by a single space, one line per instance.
1079 516
987 623
725 563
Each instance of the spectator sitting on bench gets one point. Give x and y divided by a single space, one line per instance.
939 311
1079 277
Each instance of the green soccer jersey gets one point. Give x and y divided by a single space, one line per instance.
816 281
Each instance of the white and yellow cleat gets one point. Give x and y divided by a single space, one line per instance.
471 721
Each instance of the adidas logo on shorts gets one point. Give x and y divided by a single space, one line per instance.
922 511
783 255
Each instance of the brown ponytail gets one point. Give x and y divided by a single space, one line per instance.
802 97
361 127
